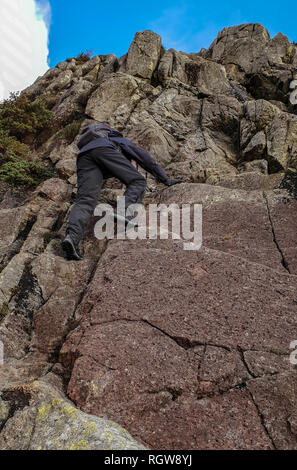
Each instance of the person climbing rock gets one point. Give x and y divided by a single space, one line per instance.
105 153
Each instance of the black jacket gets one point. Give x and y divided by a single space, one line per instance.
98 135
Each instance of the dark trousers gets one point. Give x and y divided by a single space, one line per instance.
92 168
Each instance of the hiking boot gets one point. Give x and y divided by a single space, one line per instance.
71 249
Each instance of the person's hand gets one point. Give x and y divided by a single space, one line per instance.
171 182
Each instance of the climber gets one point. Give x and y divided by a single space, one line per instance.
105 153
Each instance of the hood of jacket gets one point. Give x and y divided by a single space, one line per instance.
95 131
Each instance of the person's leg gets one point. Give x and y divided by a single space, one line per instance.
116 164
89 181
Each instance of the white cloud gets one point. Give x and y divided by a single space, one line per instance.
24 28
44 12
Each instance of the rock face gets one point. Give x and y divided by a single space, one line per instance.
144 54
37 417
184 349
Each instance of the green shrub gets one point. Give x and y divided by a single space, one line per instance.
70 131
18 172
10 145
20 117
83 57
49 101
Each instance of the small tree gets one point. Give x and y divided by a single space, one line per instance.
84 57
20 116
18 172
10 145
21 119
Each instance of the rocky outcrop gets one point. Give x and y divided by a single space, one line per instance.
172 349
184 349
251 57
144 54
37 417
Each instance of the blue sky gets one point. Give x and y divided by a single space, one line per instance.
38 34
109 26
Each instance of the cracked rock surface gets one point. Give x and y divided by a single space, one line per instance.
144 344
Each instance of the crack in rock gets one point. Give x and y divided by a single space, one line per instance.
284 261
18 242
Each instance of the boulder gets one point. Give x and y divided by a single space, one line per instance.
113 99
40 418
143 55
